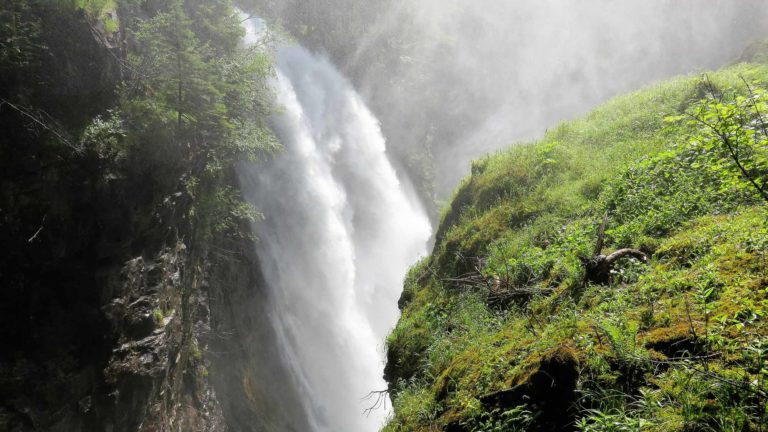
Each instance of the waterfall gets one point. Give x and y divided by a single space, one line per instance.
340 230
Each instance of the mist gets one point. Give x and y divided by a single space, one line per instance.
452 80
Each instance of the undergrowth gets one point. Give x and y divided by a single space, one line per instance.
678 343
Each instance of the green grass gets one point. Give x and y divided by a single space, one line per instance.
678 344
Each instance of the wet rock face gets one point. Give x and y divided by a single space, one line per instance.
151 374
157 371
255 387
140 326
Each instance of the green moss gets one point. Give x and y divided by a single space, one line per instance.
527 218
158 316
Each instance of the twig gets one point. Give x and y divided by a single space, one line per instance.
690 319
32 117
39 230
251 16
380 402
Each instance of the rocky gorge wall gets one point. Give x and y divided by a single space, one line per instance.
111 317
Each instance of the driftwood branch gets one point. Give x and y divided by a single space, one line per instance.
598 268
600 243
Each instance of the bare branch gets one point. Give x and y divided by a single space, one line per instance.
380 401
39 230
39 121
751 92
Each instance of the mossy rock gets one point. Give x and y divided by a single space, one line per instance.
674 341
549 390
404 356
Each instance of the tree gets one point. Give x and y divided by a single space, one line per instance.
196 102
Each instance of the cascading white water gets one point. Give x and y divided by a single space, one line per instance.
339 233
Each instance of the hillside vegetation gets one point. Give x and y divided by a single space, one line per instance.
504 329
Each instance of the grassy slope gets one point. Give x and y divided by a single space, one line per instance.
654 350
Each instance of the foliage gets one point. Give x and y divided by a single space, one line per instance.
732 138
599 421
19 37
675 344
195 103
184 102
105 137
99 10
517 419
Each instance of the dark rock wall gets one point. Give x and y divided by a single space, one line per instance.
247 369
157 369
104 317
58 236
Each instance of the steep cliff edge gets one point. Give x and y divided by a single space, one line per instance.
118 131
507 326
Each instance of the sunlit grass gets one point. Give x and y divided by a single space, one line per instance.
529 215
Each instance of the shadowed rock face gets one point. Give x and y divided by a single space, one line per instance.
103 319
145 370
253 385
55 259
107 321
550 391
756 52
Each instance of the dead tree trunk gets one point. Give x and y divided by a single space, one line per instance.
598 269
